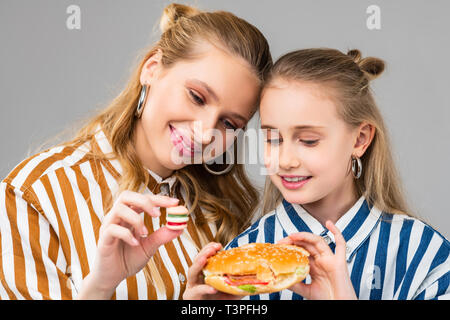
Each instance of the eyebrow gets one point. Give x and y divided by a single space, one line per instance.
206 87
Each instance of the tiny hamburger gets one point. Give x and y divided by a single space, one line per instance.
256 268
177 217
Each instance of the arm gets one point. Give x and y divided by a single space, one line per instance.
29 245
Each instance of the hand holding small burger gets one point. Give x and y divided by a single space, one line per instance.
330 279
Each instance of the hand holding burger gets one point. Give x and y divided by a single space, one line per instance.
330 279
196 288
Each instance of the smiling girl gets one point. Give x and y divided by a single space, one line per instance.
82 219
334 189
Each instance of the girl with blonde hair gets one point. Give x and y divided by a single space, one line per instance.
85 219
334 189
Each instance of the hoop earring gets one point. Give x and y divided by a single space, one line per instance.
356 167
140 106
219 173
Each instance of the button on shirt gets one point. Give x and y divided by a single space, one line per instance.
389 256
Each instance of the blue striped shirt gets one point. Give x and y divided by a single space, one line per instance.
389 256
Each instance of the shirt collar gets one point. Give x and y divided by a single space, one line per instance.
355 225
106 148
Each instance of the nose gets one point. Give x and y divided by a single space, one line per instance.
204 126
288 157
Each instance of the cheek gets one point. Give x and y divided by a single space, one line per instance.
271 157
332 167
165 104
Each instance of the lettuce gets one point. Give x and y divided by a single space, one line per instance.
300 271
248 287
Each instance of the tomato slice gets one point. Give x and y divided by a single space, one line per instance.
175 223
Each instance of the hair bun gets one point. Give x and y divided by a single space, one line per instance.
371 66
173 12
355 54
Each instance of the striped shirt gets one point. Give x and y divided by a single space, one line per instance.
51 208
388 256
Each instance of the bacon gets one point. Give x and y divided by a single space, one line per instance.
237 280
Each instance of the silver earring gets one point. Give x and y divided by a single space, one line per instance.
356 167
140 105
219 173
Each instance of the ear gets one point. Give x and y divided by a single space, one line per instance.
364 137
151 68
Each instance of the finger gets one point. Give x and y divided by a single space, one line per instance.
286 240
199 292
195 270
210 247
163 201
125 216
315 240
305 245
156 239
114 231
226 296
302 289
308 247
146 202
338 238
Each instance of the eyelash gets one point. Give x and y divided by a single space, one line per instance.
199 101
229 126
309 143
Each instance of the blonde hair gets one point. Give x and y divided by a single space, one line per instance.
348 75
228 200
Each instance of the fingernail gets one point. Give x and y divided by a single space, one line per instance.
174 200
144 232
135 242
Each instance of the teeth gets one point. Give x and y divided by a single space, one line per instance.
185 145
296 179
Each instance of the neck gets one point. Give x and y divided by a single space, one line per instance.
146 154
334 205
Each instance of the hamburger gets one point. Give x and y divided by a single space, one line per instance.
177 217
256 268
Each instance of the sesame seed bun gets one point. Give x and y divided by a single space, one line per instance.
177 210
257 268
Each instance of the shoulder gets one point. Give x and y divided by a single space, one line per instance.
420 249
423 257
265 224
413 229
33 168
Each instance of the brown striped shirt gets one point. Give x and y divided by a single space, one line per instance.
51 208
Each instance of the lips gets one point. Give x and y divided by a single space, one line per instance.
293 182
183 144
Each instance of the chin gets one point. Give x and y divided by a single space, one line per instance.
171 165
293 197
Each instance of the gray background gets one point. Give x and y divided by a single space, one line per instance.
51 77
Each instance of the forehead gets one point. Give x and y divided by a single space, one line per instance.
293 103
